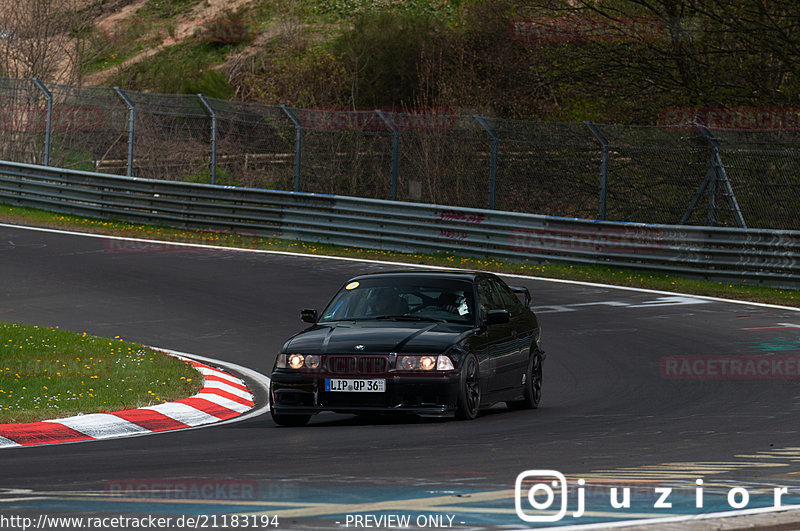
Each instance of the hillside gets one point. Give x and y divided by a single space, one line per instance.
611 61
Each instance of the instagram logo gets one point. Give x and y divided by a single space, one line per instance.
535 495
540 495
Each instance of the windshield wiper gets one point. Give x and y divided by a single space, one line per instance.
409 318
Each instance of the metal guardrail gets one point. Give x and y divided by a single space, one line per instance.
768 256
743 171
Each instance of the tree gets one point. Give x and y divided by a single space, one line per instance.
42 38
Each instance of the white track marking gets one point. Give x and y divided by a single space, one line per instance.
183 413
675 519
101 425
387 262
219 374
210 384
263 380
88 424
7 442
260 379
657 303
222 401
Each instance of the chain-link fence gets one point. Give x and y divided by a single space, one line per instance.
22 120
649 174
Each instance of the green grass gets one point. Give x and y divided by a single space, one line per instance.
113 54
115 44
50 373
336 11
180 69
558 270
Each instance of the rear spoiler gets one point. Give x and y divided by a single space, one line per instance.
524 291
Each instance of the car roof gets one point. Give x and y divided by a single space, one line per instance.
454 274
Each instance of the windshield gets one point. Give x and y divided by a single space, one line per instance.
403 299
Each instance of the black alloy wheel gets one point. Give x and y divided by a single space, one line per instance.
532 388
469 396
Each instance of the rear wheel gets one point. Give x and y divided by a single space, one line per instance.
532 388
469 394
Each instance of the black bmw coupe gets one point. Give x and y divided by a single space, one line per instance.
431 343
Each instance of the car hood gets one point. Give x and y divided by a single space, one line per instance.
377 337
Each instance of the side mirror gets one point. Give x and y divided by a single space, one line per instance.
496 317
308 315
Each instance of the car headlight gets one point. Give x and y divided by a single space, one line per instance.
298 361
406 363
424 363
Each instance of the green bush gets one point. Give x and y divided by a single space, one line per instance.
310 77
228 28
211 83
180 69
382 53
223 177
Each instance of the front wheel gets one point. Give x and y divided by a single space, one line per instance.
289 420
282 419
469 393
532 389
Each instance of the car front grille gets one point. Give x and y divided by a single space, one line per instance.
356 366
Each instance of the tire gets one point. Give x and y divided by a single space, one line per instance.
532 390
289 420
469 391
284 419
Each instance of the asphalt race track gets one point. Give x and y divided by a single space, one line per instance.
619 409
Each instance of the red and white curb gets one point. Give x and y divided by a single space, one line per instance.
222 397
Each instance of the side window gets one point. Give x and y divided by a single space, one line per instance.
507 298
485 294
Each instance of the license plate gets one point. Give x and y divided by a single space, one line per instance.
375 385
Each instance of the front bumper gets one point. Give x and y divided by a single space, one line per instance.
430 395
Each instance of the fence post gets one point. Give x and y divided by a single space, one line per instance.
716 175
493 159
298 145
48 120
722 178
395 153
131 128
601 213
212 166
